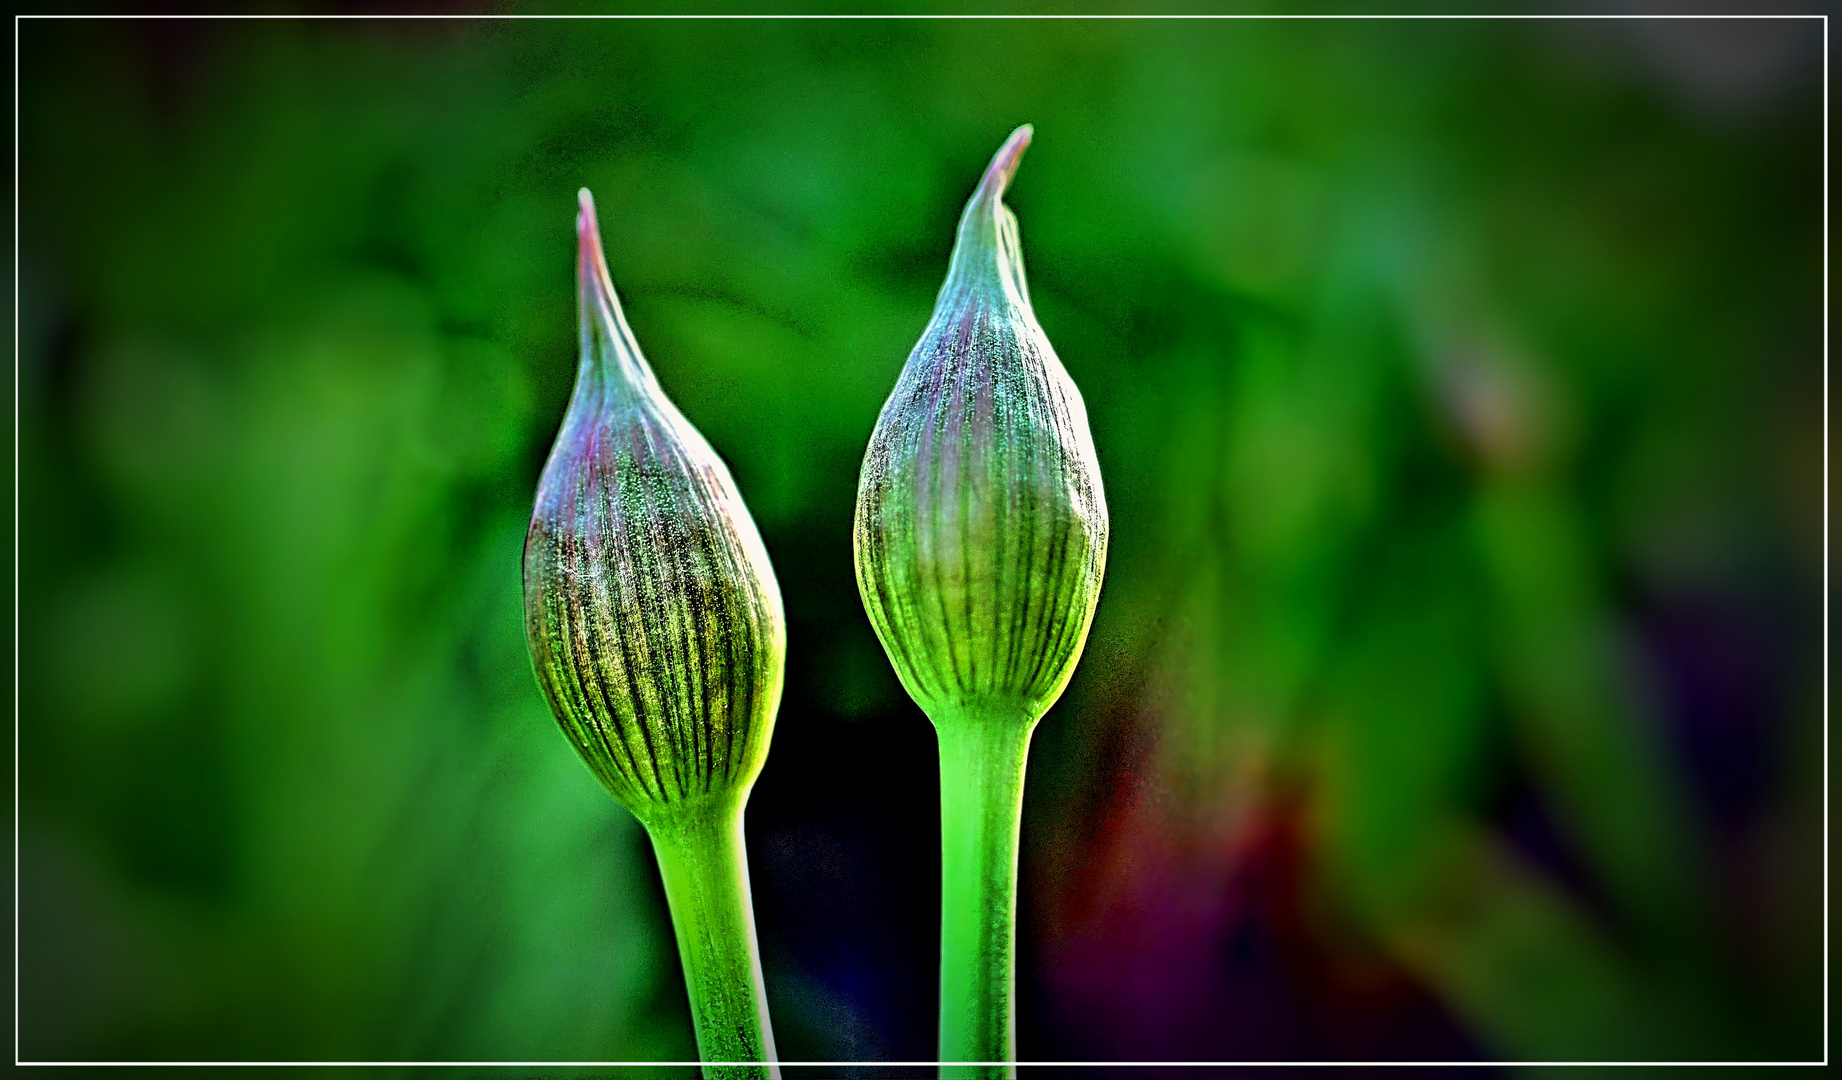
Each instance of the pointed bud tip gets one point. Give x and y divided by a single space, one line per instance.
588 230
1004 163
591 263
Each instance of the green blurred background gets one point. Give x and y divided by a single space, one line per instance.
1454 692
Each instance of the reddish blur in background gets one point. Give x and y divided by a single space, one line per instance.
1455 691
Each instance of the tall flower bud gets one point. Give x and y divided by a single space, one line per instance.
981 525
657 634
980 539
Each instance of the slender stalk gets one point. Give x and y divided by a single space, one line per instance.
981 810
705 868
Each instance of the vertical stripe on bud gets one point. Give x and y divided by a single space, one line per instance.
653 616
981 525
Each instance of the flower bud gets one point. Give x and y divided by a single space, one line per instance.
652 613
981 526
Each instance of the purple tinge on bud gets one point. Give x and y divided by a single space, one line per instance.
653 616
981 525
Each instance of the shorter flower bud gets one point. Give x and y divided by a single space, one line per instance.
653 616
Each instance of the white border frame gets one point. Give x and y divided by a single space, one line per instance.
362 17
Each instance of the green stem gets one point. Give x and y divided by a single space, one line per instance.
705 869
981 810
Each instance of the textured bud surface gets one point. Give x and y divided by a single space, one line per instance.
981 526
653 616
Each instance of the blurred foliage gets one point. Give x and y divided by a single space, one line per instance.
1454 690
